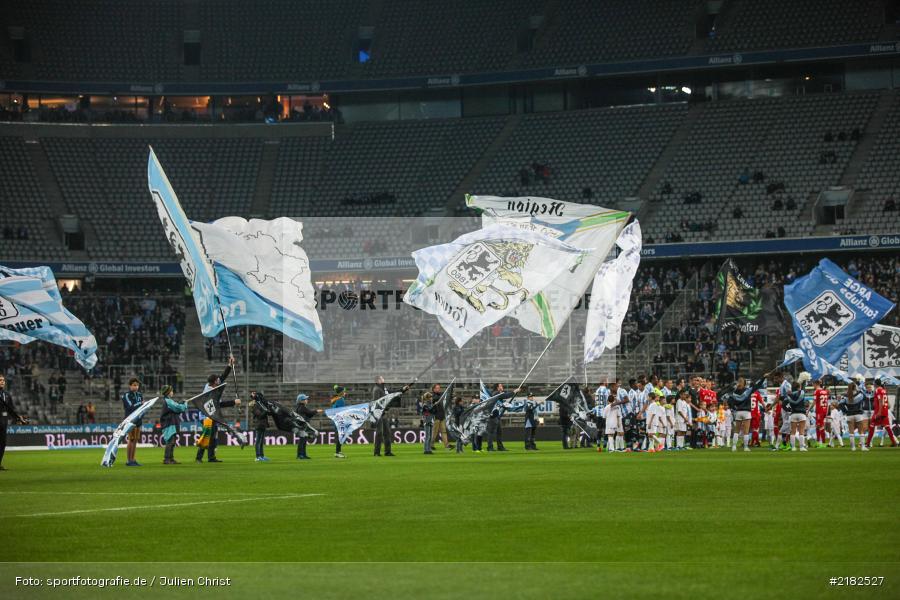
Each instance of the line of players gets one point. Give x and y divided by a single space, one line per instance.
653 415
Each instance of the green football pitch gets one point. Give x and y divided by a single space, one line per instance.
551 524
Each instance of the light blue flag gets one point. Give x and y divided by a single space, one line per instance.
790 357
31 309
124 428
484 394
348 419
188 245
830 310
246 307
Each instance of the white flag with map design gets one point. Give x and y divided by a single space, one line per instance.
264 276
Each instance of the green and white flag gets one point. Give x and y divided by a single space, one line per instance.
588 227
485 275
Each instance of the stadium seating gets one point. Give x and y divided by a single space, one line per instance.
763 24
587 31
287 40
879 181
99 41
781 138
23 206
608 150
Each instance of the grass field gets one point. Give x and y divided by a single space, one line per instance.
552 524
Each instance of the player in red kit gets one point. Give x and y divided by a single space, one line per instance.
756 404
880 416
822 403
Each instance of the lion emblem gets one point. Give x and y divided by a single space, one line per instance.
489 273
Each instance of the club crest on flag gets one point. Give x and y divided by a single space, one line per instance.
881 348
824 317
8 310
478 271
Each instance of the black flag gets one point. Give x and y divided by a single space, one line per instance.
569 394
209 404
287 419
752 310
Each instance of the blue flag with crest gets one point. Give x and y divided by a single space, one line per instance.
830 310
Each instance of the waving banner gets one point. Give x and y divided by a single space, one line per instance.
876 353
348 419
263 275
209 404
588 227
124 428
485 275
287 419
31 309
830 310
569 395
473 420
745 307
188 245
611 295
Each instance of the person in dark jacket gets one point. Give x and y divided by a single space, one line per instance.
458 410
7 412
740 400
383 426
260 425
212 381
531 422
301 408
428 420
565 423
131 401
168 421
494 424
440 423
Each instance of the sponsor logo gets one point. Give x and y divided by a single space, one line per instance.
878 48
874 241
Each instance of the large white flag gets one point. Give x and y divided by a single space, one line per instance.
485 275
275 288
585 226
611 294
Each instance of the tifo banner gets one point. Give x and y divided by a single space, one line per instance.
830 310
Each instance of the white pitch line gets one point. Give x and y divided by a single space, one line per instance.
175 505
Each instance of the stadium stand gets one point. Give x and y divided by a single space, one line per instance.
764 24
26 212
96 41
308 41
879 182
607 151
591 32
749 167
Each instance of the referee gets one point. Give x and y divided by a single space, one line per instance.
7 411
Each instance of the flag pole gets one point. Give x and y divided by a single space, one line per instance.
431 364
527 375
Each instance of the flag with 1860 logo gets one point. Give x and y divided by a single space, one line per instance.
830 311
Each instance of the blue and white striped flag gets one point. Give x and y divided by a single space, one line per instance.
790 357
31 309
